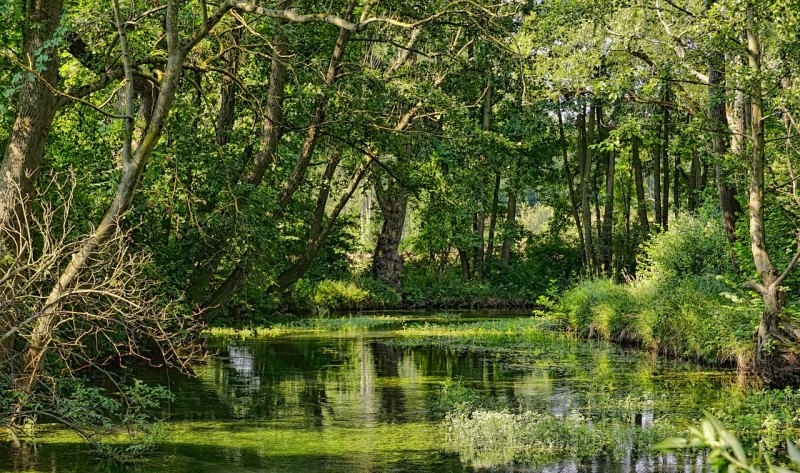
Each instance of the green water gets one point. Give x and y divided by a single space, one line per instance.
355 401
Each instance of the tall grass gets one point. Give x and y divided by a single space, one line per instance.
682 303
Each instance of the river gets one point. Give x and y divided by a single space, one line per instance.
355 401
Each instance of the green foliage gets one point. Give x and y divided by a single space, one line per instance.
495 438
357 293
677 305
726 452
694 245
120 427
455 397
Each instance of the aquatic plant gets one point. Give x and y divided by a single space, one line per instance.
504 334
485 438
309 325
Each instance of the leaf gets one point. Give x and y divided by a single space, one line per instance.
671 444
777 469
794 455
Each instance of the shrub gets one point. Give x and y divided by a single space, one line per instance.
359 293
693 246
682 302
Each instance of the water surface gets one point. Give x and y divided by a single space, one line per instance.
353 401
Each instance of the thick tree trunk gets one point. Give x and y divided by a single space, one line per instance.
228 90
508 240
272 125
36 107
777 360
387 262
638 180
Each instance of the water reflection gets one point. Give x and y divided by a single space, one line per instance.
354 402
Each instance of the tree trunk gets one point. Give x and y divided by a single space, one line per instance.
608 216
573 201
480 217
656 159
719 143
493 222
387 262
134 162
463 257
508 238
586 170
207 263
607 225
228 90
693 185
638 179
665 164
36 107
777 361
272 125
271 136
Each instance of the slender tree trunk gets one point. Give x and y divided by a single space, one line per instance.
493 221
607 226
719 143
665 163
271 133
480 218
608 215
585 169
656 159
508 238
463 257
695 182
207 263
638 179
570 183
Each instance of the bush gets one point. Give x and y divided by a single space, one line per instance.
359 293
682 303
693 246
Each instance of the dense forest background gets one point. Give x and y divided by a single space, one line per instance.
628 165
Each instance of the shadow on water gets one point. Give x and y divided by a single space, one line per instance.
352 401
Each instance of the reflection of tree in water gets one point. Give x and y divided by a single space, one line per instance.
242 362
387 365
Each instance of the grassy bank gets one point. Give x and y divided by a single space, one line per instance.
687 300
